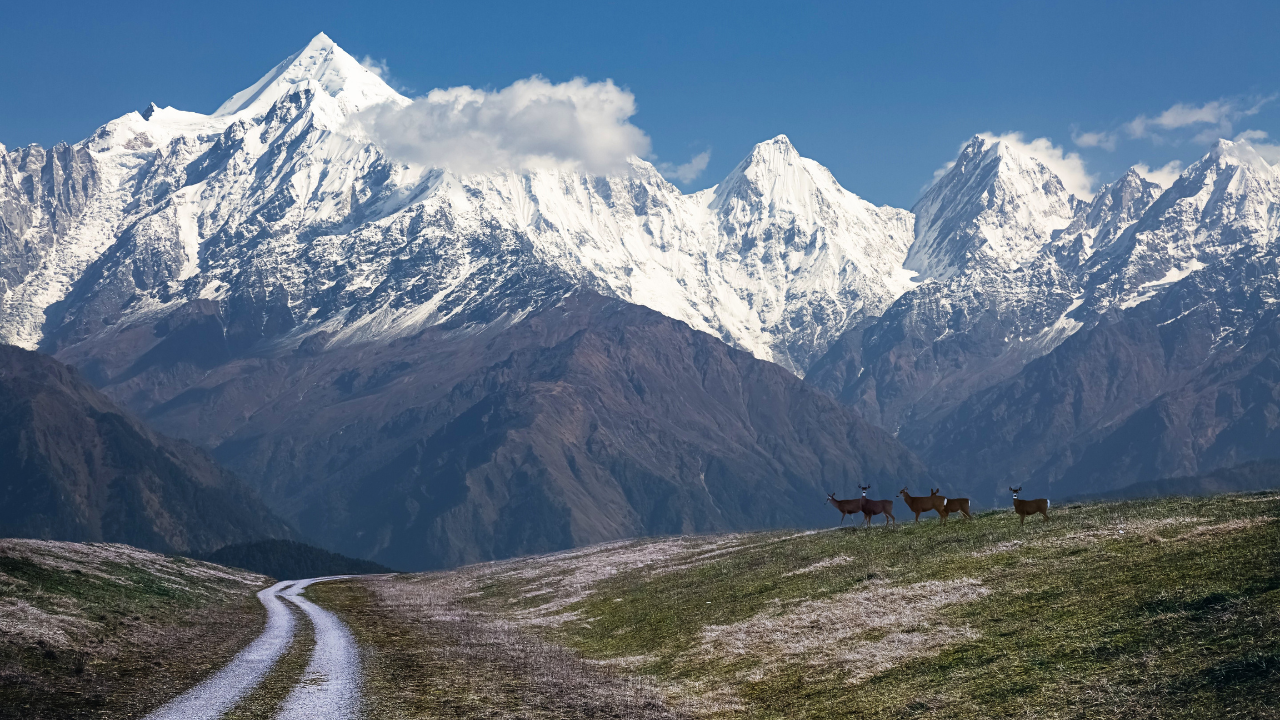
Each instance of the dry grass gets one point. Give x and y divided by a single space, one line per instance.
859 633
822 565
96 630
429 657
976 619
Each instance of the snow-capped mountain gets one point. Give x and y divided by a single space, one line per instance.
1113 209
1173 307
995 291
269 281
1223 206
280 208
994 207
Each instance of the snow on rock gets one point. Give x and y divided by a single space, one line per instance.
322 65
281 210
995 207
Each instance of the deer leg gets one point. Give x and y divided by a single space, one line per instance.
1045 514
842 518
1023 519
917 516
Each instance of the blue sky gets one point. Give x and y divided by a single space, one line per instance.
881 93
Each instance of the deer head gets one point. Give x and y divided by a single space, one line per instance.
864 489
933 492
1015 491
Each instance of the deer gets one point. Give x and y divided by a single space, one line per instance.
960 505
1029 507
925 504
871 508
846 507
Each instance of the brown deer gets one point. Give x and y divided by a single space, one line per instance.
1029 507
960 505
871 508
846 507
924 504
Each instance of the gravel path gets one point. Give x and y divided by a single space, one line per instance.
330 688
215 696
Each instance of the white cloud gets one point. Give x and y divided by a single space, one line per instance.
1104 140
1162 176
1219 114
1269 152
688 171
376 66
1067 166
532 123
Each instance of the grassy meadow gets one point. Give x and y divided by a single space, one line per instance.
1163 608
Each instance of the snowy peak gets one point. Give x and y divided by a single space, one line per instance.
1103 221
1227 153
775 181
994 205
772 169
773 153
1226 202
322 64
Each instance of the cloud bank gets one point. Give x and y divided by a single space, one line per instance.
531 124
1202 124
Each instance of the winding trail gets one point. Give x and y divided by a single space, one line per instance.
330 687
218 694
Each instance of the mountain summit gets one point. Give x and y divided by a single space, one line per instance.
995 205
321 65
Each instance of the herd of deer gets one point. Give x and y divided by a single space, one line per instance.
944 506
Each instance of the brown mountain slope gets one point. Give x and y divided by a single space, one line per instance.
73 466
587 421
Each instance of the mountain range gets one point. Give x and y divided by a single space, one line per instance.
426 367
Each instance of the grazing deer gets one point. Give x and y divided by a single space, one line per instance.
1029 507
924 504
871 508
846 507
960 505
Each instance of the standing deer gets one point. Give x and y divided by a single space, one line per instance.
960 505
871 508
1029 507
846 507
925 504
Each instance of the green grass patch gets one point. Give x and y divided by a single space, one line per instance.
1161 608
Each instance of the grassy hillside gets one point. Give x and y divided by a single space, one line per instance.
1146 609
100 630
